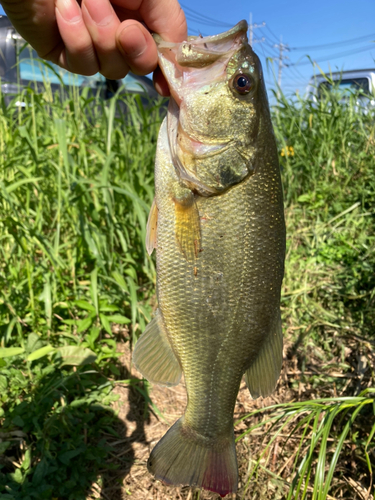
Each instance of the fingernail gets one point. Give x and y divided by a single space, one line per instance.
133 41
69 10
100 12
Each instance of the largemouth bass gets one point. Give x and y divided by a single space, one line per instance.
218 227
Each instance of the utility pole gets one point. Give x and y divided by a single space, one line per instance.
282 48
252 27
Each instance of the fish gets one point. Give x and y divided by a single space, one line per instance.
217 225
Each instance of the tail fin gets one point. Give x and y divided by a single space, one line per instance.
184 457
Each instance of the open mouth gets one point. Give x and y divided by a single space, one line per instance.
197 65
199 51
200 60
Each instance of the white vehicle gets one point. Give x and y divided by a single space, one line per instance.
359 80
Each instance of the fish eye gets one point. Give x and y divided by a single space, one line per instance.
243 83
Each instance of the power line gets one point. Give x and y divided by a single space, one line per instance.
276 39
292 77
296 72
202 18
197 20
334 56
282 48
197 32
264 53
271 47
259 40
269 53
335 44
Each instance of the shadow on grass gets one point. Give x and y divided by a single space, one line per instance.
61 440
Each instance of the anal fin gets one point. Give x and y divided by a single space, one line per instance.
187 227
154 357
262 376
152 224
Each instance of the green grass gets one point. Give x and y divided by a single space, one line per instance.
319 431
76 182
329 184
327 153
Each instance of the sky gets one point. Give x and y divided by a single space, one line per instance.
298 24
338 35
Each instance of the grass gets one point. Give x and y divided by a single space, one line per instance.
76 182
319 430
329 183
324 442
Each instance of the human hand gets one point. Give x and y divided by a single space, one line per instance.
99 35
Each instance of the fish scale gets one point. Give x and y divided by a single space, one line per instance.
218 228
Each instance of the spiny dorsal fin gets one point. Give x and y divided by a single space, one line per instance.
152 224
262 376
153 355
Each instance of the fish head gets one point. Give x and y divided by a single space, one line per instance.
218 99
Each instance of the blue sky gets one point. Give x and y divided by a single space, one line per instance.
300 23
327 23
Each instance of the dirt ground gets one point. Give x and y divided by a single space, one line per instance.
141 423
140 429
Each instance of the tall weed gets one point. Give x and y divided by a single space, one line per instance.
76 182
327 156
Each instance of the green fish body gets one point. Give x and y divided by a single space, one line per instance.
218 227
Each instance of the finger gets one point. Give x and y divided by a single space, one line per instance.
36 23
79 54
164 17
137 47
102 23
160 83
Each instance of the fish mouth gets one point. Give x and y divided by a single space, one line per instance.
199 58
188 67
199 51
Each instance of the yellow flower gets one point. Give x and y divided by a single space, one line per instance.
287 151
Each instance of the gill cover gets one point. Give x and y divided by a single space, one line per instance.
213 113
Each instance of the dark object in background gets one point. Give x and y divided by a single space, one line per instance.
21 67
111 87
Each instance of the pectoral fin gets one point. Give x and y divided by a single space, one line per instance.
152 225
187 227
154 357
262 376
